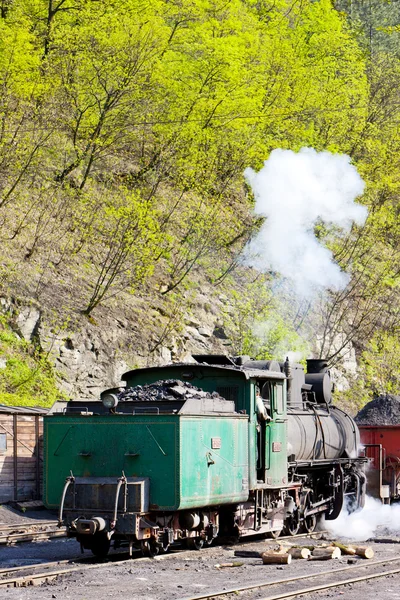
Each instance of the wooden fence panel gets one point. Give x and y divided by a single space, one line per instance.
21 457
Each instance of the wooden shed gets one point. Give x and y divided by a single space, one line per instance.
21 453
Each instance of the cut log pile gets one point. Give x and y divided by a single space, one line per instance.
284 554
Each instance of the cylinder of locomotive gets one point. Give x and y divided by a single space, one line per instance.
318 433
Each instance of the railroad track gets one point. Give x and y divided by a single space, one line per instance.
26 525
30 575
30 532
42 572
313 535
292 586
285 588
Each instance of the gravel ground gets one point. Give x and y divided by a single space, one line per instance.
181 575
387 589
10 516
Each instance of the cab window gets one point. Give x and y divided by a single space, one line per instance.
279 401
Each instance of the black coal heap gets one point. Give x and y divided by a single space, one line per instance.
167 390
384 410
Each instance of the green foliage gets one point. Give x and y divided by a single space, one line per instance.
171 101
379 370
129 240
380 364
255 327
369 306
26 379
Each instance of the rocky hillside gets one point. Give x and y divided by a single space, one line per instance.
90 355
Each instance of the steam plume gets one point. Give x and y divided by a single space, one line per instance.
294 191
361 525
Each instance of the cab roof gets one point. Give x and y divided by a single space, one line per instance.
245 373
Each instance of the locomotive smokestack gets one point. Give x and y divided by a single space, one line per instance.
319 377
317 365
288 372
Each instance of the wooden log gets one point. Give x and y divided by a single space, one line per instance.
280 549
327 556
276 558
348 550
330 552
227 565
364 551
310 547
276 549
247 554
299 552
337 553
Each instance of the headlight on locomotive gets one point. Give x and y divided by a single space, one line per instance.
109 401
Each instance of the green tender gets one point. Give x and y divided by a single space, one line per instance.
175 451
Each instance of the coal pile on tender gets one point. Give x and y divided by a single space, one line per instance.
167 390
384 410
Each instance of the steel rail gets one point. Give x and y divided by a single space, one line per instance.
21 581
24 525
16 582
46 576
82 560
327 586
43 565
110 558
77 559
311 535
13 538
263 584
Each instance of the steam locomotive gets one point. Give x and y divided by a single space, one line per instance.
230 447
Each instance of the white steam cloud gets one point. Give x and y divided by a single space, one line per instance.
294 191
374 519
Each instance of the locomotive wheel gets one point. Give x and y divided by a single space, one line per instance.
194 543
163 548
100 545
292 524
149 548
310 523
274 534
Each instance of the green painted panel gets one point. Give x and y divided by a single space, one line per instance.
276 439
276 455
107 440
210 474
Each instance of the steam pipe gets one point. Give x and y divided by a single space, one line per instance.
121 481
288 372
68 482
